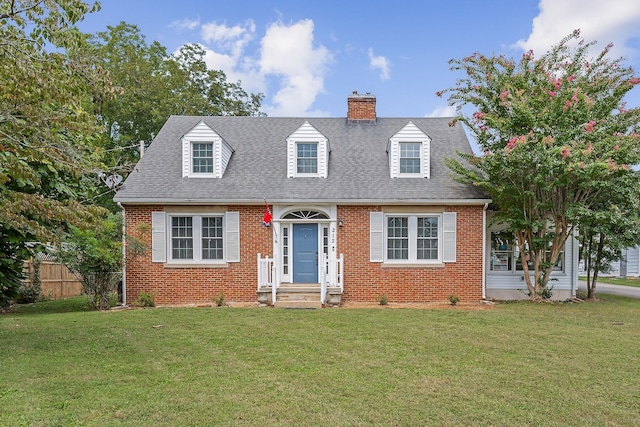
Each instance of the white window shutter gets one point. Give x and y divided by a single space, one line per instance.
232 236
449 236
376 236
186 158
158 237
291 159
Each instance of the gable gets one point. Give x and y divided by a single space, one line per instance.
308 136
418 147
196 144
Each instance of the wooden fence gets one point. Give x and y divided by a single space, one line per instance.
56 279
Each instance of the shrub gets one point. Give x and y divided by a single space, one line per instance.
145 300
454 299
383 299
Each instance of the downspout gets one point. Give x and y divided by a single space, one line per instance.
124 255
484 251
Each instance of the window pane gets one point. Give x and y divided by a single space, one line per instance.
307 158
182 237
502 250
202 158
212 245
427 244
410 157
397 238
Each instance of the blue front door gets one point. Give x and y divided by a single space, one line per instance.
305 253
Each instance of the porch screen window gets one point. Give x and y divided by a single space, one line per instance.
202 157
506 256
212 238
410 157
307 157
182 237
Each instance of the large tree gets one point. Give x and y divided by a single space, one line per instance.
553 131
47 122
151 86
611 225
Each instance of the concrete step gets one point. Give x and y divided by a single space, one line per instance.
298 304
299 296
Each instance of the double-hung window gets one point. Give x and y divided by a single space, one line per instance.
196 238
410 154
413 238
202 157
307 158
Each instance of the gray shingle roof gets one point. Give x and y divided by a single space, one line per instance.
358 164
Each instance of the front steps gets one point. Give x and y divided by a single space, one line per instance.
299 295
302 295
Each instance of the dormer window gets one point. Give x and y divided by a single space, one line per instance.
307 153
204 153
202 157
307 157
409 153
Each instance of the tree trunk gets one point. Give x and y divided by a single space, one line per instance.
591 291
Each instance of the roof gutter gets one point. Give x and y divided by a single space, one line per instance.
260 201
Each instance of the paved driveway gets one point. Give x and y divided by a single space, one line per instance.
605 288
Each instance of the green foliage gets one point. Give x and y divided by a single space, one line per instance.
95 257
555 134
219 301
32 292
12 258
47 123
454 299
151 86
383 299
145 300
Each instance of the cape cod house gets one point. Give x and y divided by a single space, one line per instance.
357 208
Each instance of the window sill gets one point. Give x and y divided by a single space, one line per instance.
413 265
196 265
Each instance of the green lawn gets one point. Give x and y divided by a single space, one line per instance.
615 281
517 364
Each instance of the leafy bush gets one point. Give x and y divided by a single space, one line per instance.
454 299
12 258
95 257
383 299
145 300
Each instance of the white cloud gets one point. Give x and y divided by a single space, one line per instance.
231 39
288 52
185 24
380 63
611 21
287 55
446 111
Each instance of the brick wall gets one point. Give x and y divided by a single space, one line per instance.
238 281
364 281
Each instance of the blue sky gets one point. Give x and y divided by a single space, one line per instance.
308 56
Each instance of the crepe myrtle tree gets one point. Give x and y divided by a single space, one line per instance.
553 131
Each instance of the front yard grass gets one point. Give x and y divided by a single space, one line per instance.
517 364
616 281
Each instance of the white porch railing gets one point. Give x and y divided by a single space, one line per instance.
266 275
331 275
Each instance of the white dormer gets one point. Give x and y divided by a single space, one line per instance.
204 153
307 153
409 153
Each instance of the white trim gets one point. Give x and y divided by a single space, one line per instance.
221 151
409 134
307 134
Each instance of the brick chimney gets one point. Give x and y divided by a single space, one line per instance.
361 108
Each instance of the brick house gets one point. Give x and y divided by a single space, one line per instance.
361 207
